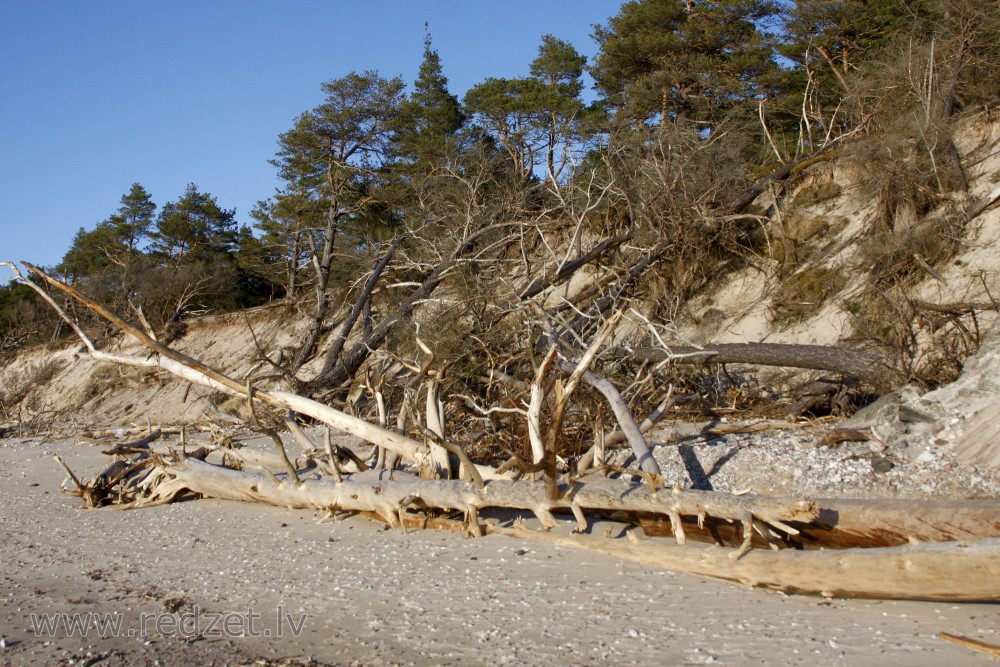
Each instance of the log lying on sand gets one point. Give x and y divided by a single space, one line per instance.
957 571
389 494
877 523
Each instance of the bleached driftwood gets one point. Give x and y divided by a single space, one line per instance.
844 524
957 571
953 571
390 493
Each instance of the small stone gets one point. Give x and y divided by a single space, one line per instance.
925 456
881 464
910 414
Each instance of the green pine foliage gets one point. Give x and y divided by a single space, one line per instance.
194 229
429 118
559 68
694 60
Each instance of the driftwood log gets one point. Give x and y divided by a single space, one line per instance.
957 571
954 570
847 523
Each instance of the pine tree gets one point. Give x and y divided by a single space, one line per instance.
834 37
559 66
695 59
194 229
134 219
335 158
115 241
513 112
430 117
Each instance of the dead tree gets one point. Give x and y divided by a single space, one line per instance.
867 366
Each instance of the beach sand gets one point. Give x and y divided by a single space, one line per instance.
365 595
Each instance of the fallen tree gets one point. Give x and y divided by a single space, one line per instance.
867 366
953 570
956 570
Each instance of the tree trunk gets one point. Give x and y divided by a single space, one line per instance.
333 356
960 571
957 570
863 365
389 495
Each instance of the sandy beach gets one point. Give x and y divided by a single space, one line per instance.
352 592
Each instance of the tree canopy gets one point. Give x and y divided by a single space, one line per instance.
694 59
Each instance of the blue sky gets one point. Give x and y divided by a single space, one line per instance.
96 95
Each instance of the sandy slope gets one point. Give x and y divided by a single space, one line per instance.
372 596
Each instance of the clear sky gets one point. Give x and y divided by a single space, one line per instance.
96 95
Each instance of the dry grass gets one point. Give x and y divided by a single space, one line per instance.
22 388
805 293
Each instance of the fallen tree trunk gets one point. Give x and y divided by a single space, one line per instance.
562 272
194 371
958 571
861 364
364 299
739 203
853 522
967 570
389 494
